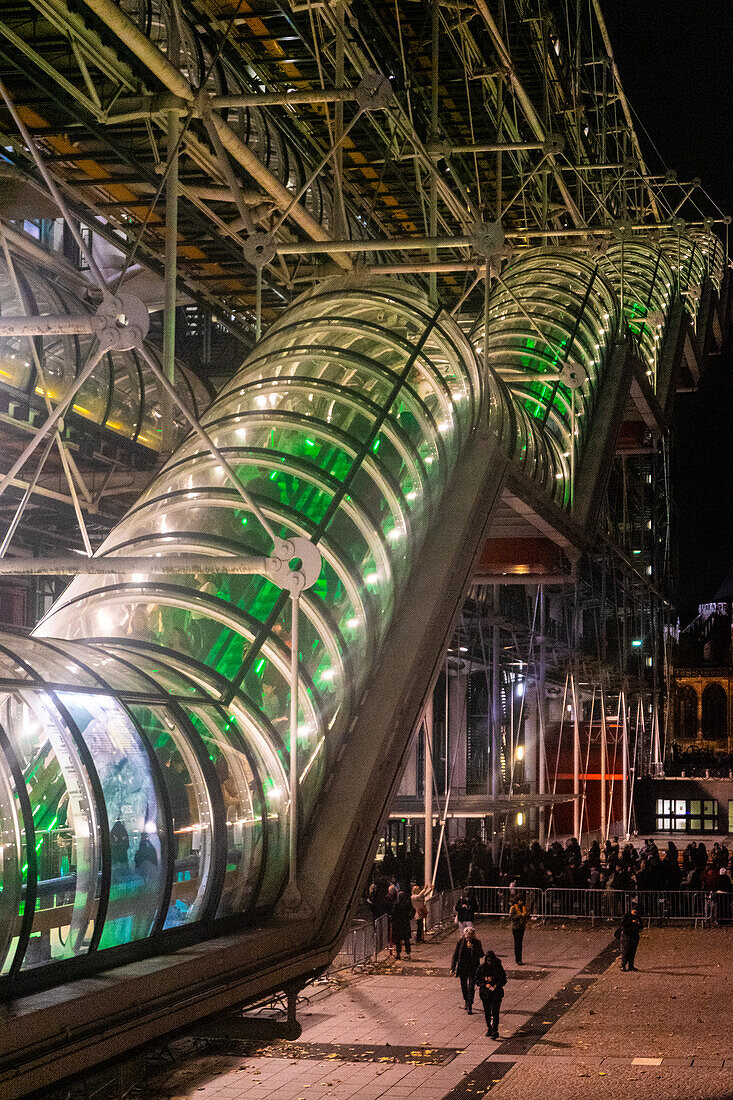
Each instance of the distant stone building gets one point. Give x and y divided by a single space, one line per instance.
703 683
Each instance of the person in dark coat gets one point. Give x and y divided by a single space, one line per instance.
402 914
490 981
465 911
466 959
630 931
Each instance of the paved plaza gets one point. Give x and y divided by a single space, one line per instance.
573 1025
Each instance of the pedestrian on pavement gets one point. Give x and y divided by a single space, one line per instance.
420 895
466 960
722 896
628 934
402 914
389 903
465 911
490 980
519 917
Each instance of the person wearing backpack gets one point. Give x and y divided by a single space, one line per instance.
490 982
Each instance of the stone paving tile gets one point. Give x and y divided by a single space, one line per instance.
381 1008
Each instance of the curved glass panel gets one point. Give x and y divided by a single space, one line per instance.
121 395
552 321
14 862
68 829
644 282
688 259
137 836
191 813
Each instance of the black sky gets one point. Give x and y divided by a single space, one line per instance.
675 64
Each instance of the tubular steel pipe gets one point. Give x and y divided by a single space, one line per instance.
498 147
142 47
285 99
121 395
48 325
148 566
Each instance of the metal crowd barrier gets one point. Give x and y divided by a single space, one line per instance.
496 901
365 941
441 908
358 947
569 903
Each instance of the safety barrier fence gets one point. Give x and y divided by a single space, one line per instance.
365 941
576 903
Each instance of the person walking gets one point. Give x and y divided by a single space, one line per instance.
465 911
402 914
722 896
629 933
420 896
490 981
519 917
466 960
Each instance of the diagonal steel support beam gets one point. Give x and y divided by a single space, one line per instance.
147 52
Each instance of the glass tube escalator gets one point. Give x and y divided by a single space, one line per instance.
145 726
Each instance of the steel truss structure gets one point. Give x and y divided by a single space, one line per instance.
435 496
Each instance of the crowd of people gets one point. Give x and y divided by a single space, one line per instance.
393 893
607 867
698 761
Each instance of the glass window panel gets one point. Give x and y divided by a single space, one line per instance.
91 400
191 812
134 814
13 866
124 410
51 666
111 671
15 352
68 834
170 680
242 804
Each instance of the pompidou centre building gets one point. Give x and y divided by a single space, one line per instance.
338 351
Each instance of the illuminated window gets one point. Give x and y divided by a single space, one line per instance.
694 816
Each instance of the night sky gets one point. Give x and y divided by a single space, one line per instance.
675 64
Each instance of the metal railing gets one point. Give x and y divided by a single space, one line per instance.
569 903
365 941
496 901
441 908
